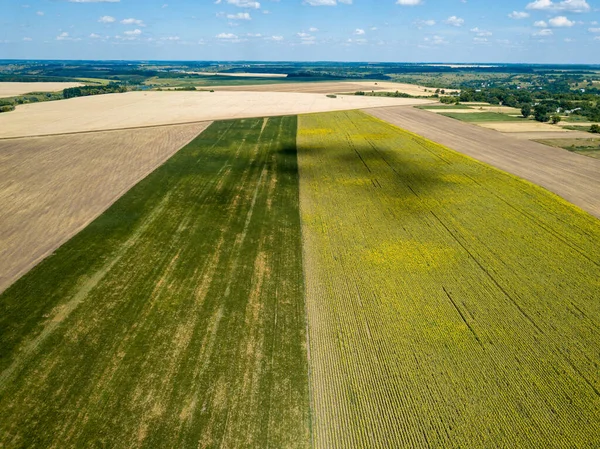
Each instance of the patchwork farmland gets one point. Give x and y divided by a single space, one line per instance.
174 319
326 281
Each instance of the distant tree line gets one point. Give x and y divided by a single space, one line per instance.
85 91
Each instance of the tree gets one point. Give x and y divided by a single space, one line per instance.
540 112
595 129
555 119
526 110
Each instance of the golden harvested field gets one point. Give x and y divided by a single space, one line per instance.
14 89
136 109
574 177
334 87
52 187
449 304
523 127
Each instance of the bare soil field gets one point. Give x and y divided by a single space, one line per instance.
52 187
136 109
14 89
333 87
574 177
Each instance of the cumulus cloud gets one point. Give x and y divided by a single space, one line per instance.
543 33
422 23
132 21
135 32
239 16
326 2
481 33
565 5
409 2
241 3
106 19
455 21
359 32
226 36
517 15
560 22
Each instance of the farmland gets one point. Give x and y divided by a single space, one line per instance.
571 176
176 318
449 304
52 187
14 89
137 109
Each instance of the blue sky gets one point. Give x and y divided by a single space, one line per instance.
539 31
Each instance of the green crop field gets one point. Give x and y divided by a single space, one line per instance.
482 117
326 281
176 319
450 305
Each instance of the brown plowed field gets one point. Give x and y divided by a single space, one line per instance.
574 177
52 187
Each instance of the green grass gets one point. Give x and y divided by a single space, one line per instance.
175 319
483 117
450 305
446 106
587 147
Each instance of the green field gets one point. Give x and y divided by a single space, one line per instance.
322 281
176 319
450 305
587 147
483 117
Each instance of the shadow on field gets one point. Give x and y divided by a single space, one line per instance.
420 174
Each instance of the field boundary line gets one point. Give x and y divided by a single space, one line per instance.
92 131
117 196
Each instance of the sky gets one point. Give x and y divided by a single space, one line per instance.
515 31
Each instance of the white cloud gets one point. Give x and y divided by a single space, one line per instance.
517 15
95 36
239 16
135 32
359 32
326 2
480 32
540 24
561 22
565 5
226 36
94 1
27 39
170 38
132 21
436 40
543 33
277 38
455 21
64 36
313 29
40 13
594 30
409 2
241 3
422 23
106 19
